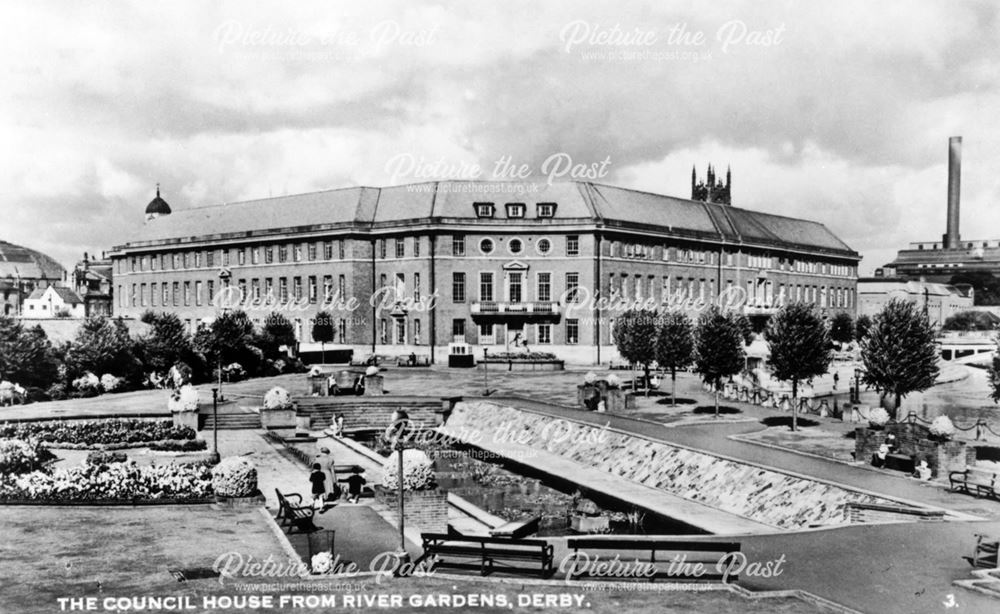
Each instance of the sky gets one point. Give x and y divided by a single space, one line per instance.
836 111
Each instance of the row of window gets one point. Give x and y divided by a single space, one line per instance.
758 293
514 287
487 246
200 292
645 251
514 210
268 254
487 333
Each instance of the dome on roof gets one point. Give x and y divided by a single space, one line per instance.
18 261
157 206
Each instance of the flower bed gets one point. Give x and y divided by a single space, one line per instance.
107 434
114 482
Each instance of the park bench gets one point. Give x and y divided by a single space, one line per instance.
974 481
664 558
294 513
985 552
489 552
900 462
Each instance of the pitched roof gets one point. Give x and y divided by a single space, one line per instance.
453 200
66 294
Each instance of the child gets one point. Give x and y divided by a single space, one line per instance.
318 479
354 484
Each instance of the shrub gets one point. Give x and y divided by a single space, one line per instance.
418 471
110 383
18 456
184 398
277 398
87 383
614 381
56 392
234 477
104 457
942 427
590 377
878 417
315 371
178 445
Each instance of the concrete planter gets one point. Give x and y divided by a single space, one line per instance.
277 418
522 365
373 385
616 400
424 509
303 424
589 524
186 418
254 500
318 386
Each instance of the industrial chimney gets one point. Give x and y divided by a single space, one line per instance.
952 239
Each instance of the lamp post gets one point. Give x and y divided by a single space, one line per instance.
394 433
857 385
215 458
486 373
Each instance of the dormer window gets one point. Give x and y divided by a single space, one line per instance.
484 209
546 209
515 210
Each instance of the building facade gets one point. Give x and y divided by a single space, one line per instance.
413 268
939 301
54 302
22 271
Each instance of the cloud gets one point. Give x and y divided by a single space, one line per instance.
838 112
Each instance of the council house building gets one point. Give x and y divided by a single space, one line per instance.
485 263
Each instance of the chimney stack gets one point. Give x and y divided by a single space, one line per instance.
952 238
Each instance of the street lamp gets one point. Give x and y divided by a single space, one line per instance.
394 433
215 458
486 373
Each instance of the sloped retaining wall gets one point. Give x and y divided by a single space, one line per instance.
763 495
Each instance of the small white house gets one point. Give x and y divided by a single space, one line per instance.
53 302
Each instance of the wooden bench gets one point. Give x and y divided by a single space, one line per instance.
974 481
490 552
900 462
677 560
294 513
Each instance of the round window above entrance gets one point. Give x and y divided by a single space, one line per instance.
543 246
515 246
486 246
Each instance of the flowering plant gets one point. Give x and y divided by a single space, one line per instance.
18 456
590 377
315 371
878 417
942 427
87 382
614 381
121 432
277 398
110 382
234 477
184 398
322 563
114 481
418 471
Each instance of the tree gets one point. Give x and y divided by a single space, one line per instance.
103 346
994 372
971 320
635 338
842 328
674 347
231 338
168 343
800 347
26 355
719 348
861 327
322 331
278 331
899 352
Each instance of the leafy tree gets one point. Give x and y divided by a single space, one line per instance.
26 355
635 338
861 327
842 328
971 320
103 346
278 331
231 338
719 348
322 331
168 343
800 347
746 326
994 372
899 352
674 347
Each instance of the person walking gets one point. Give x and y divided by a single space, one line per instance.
328 467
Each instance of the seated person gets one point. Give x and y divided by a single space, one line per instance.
354 484
878 459
331 386
359 385
923 471
890 440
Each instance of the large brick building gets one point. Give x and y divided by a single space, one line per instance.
481 262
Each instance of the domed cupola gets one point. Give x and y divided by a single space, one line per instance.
157 206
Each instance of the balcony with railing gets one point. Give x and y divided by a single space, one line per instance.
507 310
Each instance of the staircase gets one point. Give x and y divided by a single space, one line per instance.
368 413
231 421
